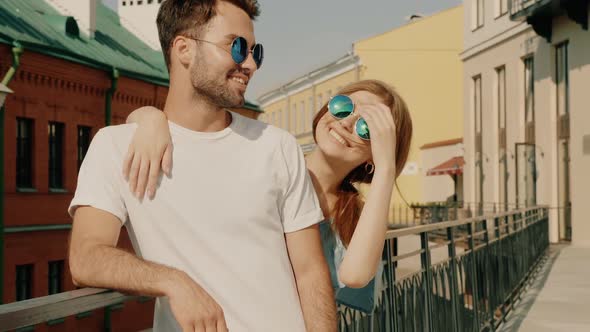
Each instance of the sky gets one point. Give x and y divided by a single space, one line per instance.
302 35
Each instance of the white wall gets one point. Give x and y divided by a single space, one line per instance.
141 20
493 46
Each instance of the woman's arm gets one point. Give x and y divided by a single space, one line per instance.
363 254
149 151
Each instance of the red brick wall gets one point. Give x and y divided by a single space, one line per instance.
49 89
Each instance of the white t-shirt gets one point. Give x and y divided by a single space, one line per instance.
221 217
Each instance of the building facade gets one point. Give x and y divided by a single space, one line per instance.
419 59
526 131
68 82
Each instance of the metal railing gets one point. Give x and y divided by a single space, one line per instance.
466 280
451 276
416 214
517 6
47 308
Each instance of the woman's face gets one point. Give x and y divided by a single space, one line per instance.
337 138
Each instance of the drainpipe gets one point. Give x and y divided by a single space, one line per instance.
17 50
108 113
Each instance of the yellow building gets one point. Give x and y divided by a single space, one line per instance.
420 59
293 105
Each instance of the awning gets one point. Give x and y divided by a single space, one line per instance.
452 166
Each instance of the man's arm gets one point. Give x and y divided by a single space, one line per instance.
313 279
95 261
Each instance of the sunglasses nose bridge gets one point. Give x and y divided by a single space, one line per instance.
349 121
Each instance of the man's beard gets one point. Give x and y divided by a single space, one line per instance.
215 89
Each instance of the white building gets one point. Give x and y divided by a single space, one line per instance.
139 16
526 122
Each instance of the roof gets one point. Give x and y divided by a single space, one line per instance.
452 166
38 27
317 76
441 143
253 107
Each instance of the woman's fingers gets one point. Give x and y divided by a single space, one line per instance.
133 171
127 162
167 160
153 178
142 178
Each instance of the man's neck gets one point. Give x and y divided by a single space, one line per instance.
193 112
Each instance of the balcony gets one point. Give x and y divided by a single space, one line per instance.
460 275
540 13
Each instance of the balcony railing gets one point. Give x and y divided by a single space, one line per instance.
48 308
540 13
450 276
523 8
469 274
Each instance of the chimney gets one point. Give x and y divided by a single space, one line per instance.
84 11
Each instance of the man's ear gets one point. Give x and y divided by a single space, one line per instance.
182 49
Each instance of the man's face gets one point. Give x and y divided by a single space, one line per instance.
214 74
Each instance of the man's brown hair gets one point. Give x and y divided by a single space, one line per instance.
177 17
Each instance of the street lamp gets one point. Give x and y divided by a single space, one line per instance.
4 91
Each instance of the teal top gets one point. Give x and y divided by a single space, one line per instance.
362 299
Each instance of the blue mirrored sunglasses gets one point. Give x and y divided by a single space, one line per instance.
239 50
340 107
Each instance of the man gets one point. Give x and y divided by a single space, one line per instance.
230 241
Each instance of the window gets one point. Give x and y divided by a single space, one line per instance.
311 110
83 143
24 282
56 272
24 153
294 127
529 100
56 138
303 123
477 107
273 118
564 177
562 79
478 14
329 94
320 101
280 118
502 137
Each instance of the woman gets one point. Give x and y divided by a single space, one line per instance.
363 136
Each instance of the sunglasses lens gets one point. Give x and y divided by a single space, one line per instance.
362 129
258 54
340 106
239 50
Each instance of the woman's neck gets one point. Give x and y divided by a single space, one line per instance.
327 176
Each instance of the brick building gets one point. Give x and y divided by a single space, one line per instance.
68 82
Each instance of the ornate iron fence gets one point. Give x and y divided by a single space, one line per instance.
488 260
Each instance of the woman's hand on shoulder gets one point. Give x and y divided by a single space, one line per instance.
149 152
